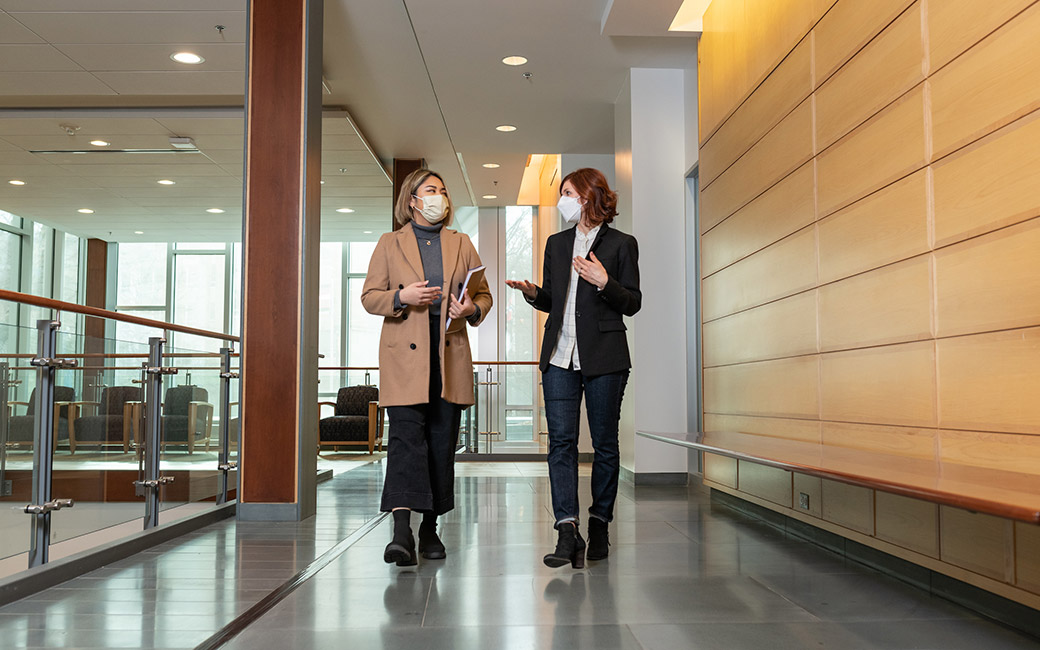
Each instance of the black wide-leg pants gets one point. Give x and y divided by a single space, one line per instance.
420 459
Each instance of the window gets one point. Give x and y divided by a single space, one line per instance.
519 326
141 275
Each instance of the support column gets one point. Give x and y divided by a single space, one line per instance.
96 295
402 167
277 467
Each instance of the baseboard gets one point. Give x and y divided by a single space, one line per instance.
654 478
32 581
986 603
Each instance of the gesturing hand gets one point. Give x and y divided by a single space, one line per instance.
524 287
591 271
419 294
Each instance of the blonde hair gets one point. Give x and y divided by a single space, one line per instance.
411 185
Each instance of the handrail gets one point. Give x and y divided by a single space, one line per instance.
119 355
475 363
60 305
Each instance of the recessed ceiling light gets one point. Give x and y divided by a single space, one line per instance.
490 196
85 211
167 182
214 211
505 128
138 232
100 143
323 182
514 60
187 57
344 210
368 232
16 182
491 165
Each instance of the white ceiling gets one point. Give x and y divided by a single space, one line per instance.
421 78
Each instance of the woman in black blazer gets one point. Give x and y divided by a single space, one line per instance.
590 281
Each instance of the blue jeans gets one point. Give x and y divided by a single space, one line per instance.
603 394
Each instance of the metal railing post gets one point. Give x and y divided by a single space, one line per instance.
153 482
223 462
43 442
4 416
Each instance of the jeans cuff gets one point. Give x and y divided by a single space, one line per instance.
593 515
565 520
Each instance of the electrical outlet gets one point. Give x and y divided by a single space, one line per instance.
6 489
803 500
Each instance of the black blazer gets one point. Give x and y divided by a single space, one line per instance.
602 343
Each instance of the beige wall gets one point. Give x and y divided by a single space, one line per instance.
870 174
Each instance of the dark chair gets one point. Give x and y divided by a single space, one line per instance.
111 423
358 419
20 427
187 417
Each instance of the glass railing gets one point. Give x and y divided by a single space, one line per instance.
507 416
101 437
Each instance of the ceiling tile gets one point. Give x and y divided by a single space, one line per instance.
100 170
205 125
108 57
124 5
89 127
194 82
136 27
11 31
34 58
52 83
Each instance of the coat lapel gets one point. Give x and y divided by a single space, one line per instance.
410 248
599 237
562 265
451 244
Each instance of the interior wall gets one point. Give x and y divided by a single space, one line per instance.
623 186
870 192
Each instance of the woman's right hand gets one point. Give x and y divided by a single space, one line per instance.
419 294
524 287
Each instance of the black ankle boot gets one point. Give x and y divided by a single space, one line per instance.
599 540
430 544
401 549
570 547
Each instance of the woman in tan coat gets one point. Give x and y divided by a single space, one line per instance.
425 374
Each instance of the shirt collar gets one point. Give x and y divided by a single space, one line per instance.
592 233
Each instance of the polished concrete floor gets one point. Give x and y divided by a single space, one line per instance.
682 574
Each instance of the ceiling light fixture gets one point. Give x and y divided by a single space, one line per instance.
100 143
85 211
187 57
505 128
514 60
214 211
138 232
16 182
491 165
489 196
344 210
367 232
166 182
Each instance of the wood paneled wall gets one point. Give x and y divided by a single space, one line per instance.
870 235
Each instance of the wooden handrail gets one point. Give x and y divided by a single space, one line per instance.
59 305
475 363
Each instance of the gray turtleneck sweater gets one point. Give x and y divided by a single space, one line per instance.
429 240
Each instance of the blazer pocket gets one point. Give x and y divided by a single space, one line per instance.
612 326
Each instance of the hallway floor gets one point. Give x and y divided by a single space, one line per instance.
682 574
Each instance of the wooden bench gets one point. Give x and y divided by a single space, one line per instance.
1007 494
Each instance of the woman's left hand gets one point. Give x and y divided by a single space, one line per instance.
462 309
591 271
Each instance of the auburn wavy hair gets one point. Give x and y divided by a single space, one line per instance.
591 185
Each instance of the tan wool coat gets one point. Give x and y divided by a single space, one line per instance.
404 345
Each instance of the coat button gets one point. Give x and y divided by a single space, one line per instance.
412 346
460 286
404 317
400 286
447 344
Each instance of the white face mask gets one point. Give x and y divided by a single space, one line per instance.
435 207
569 209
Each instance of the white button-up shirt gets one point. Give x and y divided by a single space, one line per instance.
566 352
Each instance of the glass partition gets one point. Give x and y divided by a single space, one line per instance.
17 386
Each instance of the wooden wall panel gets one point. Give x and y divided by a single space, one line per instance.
956 25
788 206
806 430
768 483
777 271
811 486
989 382
779 329
720 469
856 165
1003 451
908 523
778 95
783 388
887 385
850 506
976 542
885 227
774 27
903 441
778 153
989 185
847 27
726 66
1027 556
886 68
992 84
991 282
888 305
